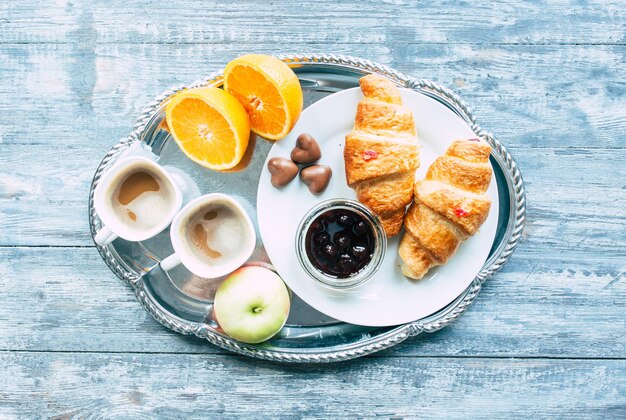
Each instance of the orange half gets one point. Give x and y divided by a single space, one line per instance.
268 90
210 126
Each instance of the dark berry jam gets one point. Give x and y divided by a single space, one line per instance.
340 243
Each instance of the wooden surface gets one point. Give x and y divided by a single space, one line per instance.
546 336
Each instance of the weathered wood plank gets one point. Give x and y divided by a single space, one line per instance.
575 197
88 93
542 304
200 386
372 22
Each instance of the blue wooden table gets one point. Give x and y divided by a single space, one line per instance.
545 338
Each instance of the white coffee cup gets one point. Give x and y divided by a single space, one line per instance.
129 212
212 236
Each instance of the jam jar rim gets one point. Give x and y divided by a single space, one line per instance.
368 271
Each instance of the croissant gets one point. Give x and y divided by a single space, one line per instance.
381 152
450 205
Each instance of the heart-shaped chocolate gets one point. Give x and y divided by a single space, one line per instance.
306 151
316 177
283 171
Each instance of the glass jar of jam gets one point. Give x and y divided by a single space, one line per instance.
340 243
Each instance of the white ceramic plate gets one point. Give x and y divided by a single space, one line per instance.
388 298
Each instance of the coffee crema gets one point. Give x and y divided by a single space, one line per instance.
141 199
135 185
216 234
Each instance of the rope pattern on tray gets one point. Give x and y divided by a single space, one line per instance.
386 340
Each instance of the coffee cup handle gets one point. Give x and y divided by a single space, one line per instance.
105 236
170 262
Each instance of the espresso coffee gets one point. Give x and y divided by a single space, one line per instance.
141 199
211 236
216 234
135 199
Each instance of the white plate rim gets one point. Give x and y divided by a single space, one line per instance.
339 304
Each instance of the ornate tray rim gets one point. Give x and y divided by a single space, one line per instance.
446 316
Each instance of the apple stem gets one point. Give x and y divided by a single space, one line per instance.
256 310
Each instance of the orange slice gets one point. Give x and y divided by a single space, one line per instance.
210 126
269 91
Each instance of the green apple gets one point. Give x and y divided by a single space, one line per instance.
252 304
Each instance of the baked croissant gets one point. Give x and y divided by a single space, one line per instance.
381 152
450 205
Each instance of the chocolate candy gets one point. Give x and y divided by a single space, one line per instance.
306 151
316 177
283 171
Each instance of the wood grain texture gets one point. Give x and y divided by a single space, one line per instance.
546 336
248 23
201 386
570 211
92 93
538 306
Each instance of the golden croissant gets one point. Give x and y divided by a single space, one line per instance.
450 205
381 152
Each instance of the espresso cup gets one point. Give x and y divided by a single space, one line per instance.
136 199
212 236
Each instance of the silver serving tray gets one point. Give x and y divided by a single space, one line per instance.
183 302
